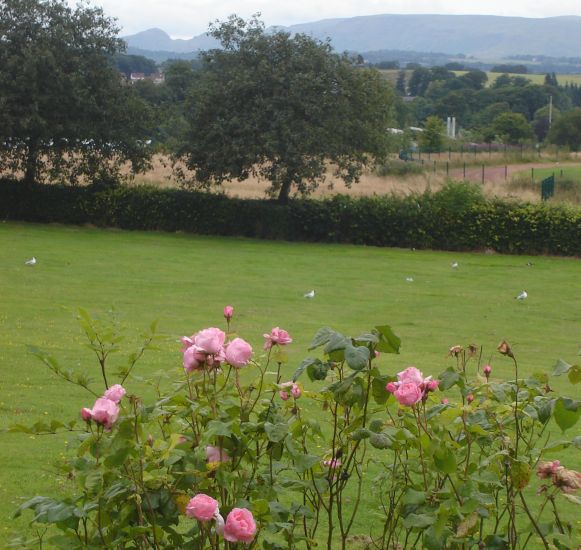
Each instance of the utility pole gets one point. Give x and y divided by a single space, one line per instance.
550 110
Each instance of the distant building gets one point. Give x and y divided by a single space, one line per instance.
134 77
156 78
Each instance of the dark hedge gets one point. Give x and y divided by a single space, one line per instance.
455 218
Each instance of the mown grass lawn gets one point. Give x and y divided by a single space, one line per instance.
184 281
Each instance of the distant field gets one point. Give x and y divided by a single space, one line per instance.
562 78
185 281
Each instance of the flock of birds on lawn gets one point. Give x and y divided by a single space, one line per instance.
523 295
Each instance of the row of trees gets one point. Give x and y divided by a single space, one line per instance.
281 107
264 104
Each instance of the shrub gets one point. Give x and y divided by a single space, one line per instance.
235 451
455 218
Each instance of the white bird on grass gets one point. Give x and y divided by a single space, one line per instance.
409 279
32 261
310 295
522 296
454 265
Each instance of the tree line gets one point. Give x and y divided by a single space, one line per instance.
283 108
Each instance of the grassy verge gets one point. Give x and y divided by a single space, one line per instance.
185 281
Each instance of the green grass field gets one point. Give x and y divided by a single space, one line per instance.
184 281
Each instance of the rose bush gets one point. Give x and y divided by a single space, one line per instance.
354 453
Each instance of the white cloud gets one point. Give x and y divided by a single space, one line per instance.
186 18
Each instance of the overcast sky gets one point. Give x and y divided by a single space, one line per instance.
187 18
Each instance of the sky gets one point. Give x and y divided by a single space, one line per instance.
187 18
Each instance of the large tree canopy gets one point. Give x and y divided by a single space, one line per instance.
65 115
284 109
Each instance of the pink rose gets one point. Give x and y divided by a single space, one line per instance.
408 393
548 469
115 393
283 395
332 463
216 454
391 387
487 370
296 391
86 414
469 398
411 375
445 401
239 526
105 412
193 358
238 353
186 342
228 312
432 385
277 336
202 507
211 340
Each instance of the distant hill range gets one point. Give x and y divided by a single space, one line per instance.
478 36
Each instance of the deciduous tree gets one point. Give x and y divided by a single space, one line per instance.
65 114
283 108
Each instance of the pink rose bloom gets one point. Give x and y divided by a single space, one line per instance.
332 463
445 401
202 507
548 469
240 526
487 370
186 342
86 414
283 395
115 393
432 385
228 312
296 391
105 412
211 340
469 398
391 387
408 393
411 375
277 336
238 353
193 358
216 454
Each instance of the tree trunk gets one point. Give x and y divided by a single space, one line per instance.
285 190
30 173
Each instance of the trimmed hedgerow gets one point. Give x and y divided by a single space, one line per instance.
457 217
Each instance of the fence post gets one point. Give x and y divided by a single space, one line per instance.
532 175
449 153
434 167
464 170
505 172
447 168
483 174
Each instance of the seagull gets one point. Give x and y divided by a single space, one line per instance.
310 295
530 264
32 261
454 265
522 295
409 279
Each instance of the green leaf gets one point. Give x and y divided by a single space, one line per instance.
276 432
218 428
367 338
381 440
378 391
418 521
360 433
376 425
357 357
495 542
445 460
520 474
322 337
318 370
304 462
414 497
335 348
94 481
388 341
566 412
301 368
449 378
561 367
572 498
574 374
